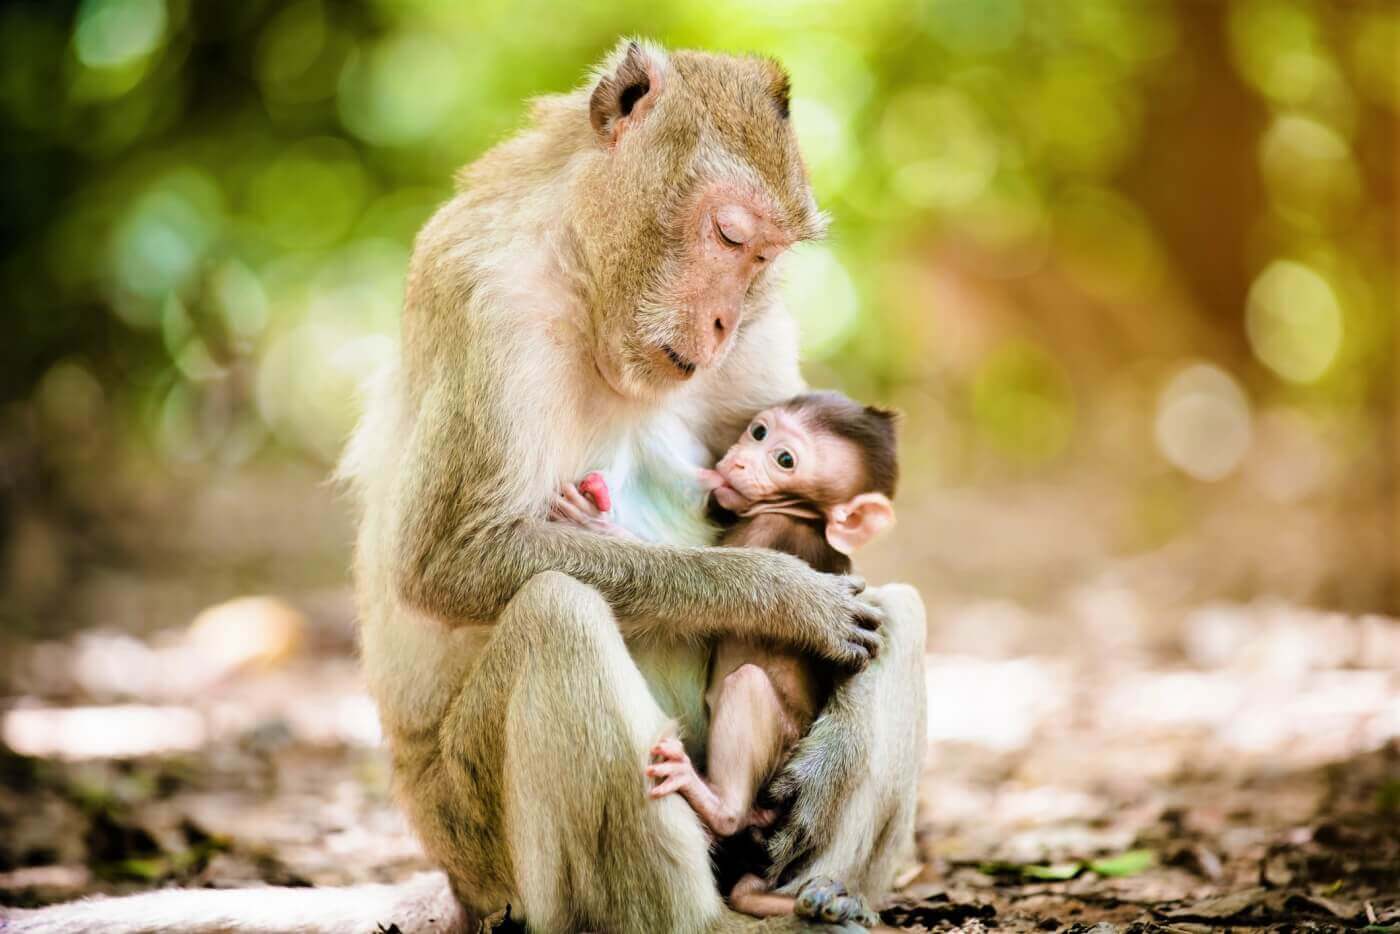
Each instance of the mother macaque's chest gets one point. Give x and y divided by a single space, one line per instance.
652 475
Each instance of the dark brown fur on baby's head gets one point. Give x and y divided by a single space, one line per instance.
870 429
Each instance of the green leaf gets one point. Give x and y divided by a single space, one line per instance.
1124 864
145 870
1055 872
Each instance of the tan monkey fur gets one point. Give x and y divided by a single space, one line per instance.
497 645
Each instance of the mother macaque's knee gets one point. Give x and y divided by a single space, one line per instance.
906 622
553 605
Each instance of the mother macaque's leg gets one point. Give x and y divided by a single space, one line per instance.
580 844
853 779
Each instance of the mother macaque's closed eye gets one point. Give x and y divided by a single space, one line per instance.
855 523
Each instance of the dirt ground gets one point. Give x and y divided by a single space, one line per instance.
1096 762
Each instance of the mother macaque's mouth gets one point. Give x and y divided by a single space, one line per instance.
681 363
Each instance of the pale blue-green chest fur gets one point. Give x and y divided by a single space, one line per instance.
653 479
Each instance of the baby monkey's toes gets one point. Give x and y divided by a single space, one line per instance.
670 767
828 901
669 750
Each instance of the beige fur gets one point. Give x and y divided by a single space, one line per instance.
495 643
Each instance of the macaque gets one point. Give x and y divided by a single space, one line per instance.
812 477
602 292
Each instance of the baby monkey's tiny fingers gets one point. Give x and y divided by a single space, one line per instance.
855 583
668 749
670 786
585 506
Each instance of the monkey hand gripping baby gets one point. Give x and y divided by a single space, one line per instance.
811 477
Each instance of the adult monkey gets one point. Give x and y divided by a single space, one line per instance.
601 280
597 294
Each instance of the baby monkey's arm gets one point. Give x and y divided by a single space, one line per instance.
587 504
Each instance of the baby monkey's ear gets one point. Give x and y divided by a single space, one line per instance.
852 524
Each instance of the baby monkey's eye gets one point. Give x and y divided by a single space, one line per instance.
786 460
759 432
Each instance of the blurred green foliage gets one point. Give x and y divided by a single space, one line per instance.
1040 208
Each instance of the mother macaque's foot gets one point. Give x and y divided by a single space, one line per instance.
827 900
678 776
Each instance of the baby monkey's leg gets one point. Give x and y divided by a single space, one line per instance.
747 725
752 896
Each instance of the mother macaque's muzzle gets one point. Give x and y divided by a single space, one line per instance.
713 324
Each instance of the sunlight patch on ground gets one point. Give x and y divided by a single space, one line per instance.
98 732
997 704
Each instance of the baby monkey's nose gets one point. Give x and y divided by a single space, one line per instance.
736 224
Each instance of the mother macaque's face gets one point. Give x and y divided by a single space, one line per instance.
731 236
701 189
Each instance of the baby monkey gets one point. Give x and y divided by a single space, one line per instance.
812 477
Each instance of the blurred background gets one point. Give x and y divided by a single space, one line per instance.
1127 266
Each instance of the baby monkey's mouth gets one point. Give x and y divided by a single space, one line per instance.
686 368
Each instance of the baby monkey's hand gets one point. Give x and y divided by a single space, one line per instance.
587 505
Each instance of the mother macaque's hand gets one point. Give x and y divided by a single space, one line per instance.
828 616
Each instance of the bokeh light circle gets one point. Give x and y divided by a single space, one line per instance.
1203 425
819 291
114 33
1294 321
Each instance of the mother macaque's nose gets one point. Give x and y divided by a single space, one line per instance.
725 320
714 326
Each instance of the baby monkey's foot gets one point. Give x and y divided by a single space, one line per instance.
678 776
673 767
761 818
827 900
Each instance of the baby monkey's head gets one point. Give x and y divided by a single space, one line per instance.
821 450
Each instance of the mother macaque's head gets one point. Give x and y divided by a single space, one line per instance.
695 189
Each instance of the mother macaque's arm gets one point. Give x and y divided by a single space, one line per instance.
465 549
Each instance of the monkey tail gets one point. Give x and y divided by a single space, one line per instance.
423 904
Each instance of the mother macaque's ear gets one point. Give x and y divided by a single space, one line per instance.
851 525
628 85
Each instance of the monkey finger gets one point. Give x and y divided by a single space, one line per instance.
868 641
669 786
856 583
669 749
569 512
581 502
855 659
817 898
868 616
665 769
852 908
